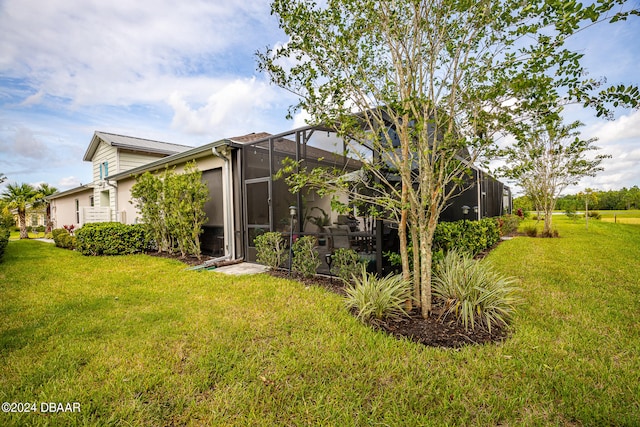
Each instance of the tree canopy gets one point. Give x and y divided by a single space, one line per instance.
422 81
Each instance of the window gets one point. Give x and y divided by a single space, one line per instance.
34 220
91 201
104 170
77 211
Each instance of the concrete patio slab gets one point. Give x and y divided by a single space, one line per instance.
241 269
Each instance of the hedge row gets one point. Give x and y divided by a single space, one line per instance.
466 236
111 238
4 240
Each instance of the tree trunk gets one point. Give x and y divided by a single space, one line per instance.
426 245
22 222
49 223
404 244
415 241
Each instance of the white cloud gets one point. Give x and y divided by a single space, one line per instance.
119 51
68 182
233 106
624 128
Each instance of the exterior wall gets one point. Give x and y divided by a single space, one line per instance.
127 213
104 195
105 153
63 209
129 160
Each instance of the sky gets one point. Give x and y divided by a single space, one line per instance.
185 72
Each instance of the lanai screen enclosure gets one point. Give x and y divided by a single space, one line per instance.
263 203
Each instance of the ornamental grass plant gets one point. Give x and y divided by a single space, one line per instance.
473 293
375 299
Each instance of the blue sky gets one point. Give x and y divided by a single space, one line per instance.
185 72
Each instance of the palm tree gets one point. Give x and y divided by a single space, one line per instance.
44 191
19 197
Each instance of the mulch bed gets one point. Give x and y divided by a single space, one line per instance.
433 331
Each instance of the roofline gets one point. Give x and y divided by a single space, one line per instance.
70 191
96 134
172 160
236 144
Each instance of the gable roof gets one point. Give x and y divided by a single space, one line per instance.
132 143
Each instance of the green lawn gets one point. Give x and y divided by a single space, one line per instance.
137 340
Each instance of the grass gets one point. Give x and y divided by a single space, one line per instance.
139 341
622 217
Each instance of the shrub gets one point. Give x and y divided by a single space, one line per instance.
531 230
346 264
111 238
553 233
376 299
4 240
63 239
472 292
172 208
467 236
595 215
305 257
40 229
270 249
509 224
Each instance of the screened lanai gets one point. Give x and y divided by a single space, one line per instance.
268 202
268 205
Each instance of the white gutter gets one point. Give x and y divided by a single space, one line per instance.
224 152
113 185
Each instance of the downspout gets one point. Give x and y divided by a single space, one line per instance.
224 152
115 196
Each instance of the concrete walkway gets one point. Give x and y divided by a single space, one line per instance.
241 269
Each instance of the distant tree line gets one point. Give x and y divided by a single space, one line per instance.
624 199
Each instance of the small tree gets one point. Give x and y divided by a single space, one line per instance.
45 190
426 86
20 197
172 208
547 159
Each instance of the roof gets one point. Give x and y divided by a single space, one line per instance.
134 144
173 159
70 191
251 137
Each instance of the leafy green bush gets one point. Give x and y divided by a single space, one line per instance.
172 208
531 230
472 292
376 299
271 250
595 215
305 257
468 236
571 214
63 239
111 238
509 224
345 264
4 240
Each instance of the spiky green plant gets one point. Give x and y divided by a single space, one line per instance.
270 249
376 299
473 292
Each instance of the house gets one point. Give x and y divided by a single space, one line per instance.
245 199
109 154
